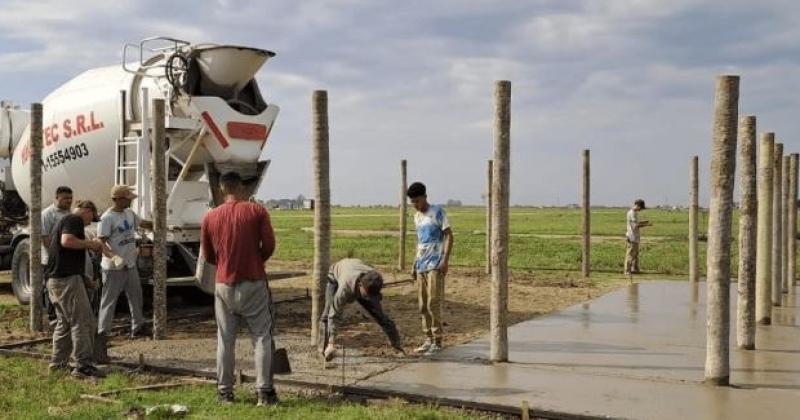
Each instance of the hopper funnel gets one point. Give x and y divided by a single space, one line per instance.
227 69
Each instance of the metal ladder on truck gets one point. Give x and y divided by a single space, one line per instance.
132 157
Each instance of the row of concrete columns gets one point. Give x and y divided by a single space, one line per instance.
767 229
497 224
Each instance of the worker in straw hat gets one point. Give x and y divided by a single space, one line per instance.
117 229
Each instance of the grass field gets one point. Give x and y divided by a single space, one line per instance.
30 392
541 239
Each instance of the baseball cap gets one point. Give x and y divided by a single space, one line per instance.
122 191
86 204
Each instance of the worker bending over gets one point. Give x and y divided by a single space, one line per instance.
351 280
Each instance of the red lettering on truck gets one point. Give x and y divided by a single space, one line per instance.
67 125
94 125
80 120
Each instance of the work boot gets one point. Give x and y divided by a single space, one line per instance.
58 367
267 397
87 371
225 397
101 349
140 332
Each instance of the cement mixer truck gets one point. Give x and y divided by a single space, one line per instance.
97 133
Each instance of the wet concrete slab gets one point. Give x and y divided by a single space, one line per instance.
638 353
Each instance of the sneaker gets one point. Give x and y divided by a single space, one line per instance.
267 397
330 353
433 349
87 371
225 397
424 347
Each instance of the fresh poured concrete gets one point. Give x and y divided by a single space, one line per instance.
634 353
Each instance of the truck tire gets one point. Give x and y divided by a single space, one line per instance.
20 276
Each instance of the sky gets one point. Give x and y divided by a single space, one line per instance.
631 80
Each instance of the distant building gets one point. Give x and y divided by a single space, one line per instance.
453 203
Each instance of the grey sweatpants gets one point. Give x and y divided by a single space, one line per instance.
75 325
251 302
114 283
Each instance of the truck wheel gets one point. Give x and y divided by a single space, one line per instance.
20 276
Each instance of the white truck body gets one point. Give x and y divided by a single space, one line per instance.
95 135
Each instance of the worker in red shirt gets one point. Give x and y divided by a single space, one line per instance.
237 236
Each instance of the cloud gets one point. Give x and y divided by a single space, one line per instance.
631 79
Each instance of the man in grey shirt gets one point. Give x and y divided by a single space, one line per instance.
50 218
351 280
117 229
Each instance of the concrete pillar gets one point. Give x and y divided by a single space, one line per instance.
158 179
764 230
777 225
785 224
791 246
746 303
723 169
694 266
489 217
35 222
500 201
587 214
401 259
322 208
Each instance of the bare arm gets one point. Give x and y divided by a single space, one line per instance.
448 248
71 241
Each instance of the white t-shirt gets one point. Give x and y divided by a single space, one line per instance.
120 229
50 218
632 221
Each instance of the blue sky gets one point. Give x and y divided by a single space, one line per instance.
630 79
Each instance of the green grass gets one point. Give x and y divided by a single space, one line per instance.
27 391
664 250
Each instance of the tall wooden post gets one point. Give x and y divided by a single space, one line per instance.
587 215
35 222
322 208
723 168
694 266
791 246
777 225
746 303
159 188
785 224
500 201
489 216
764 229
401 260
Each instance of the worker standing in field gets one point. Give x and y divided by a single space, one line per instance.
434 246
351 280
632 237
50 217
75 326
238 237
117 229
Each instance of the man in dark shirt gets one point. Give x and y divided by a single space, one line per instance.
75 322
237 236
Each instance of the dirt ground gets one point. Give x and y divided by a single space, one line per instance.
192 343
